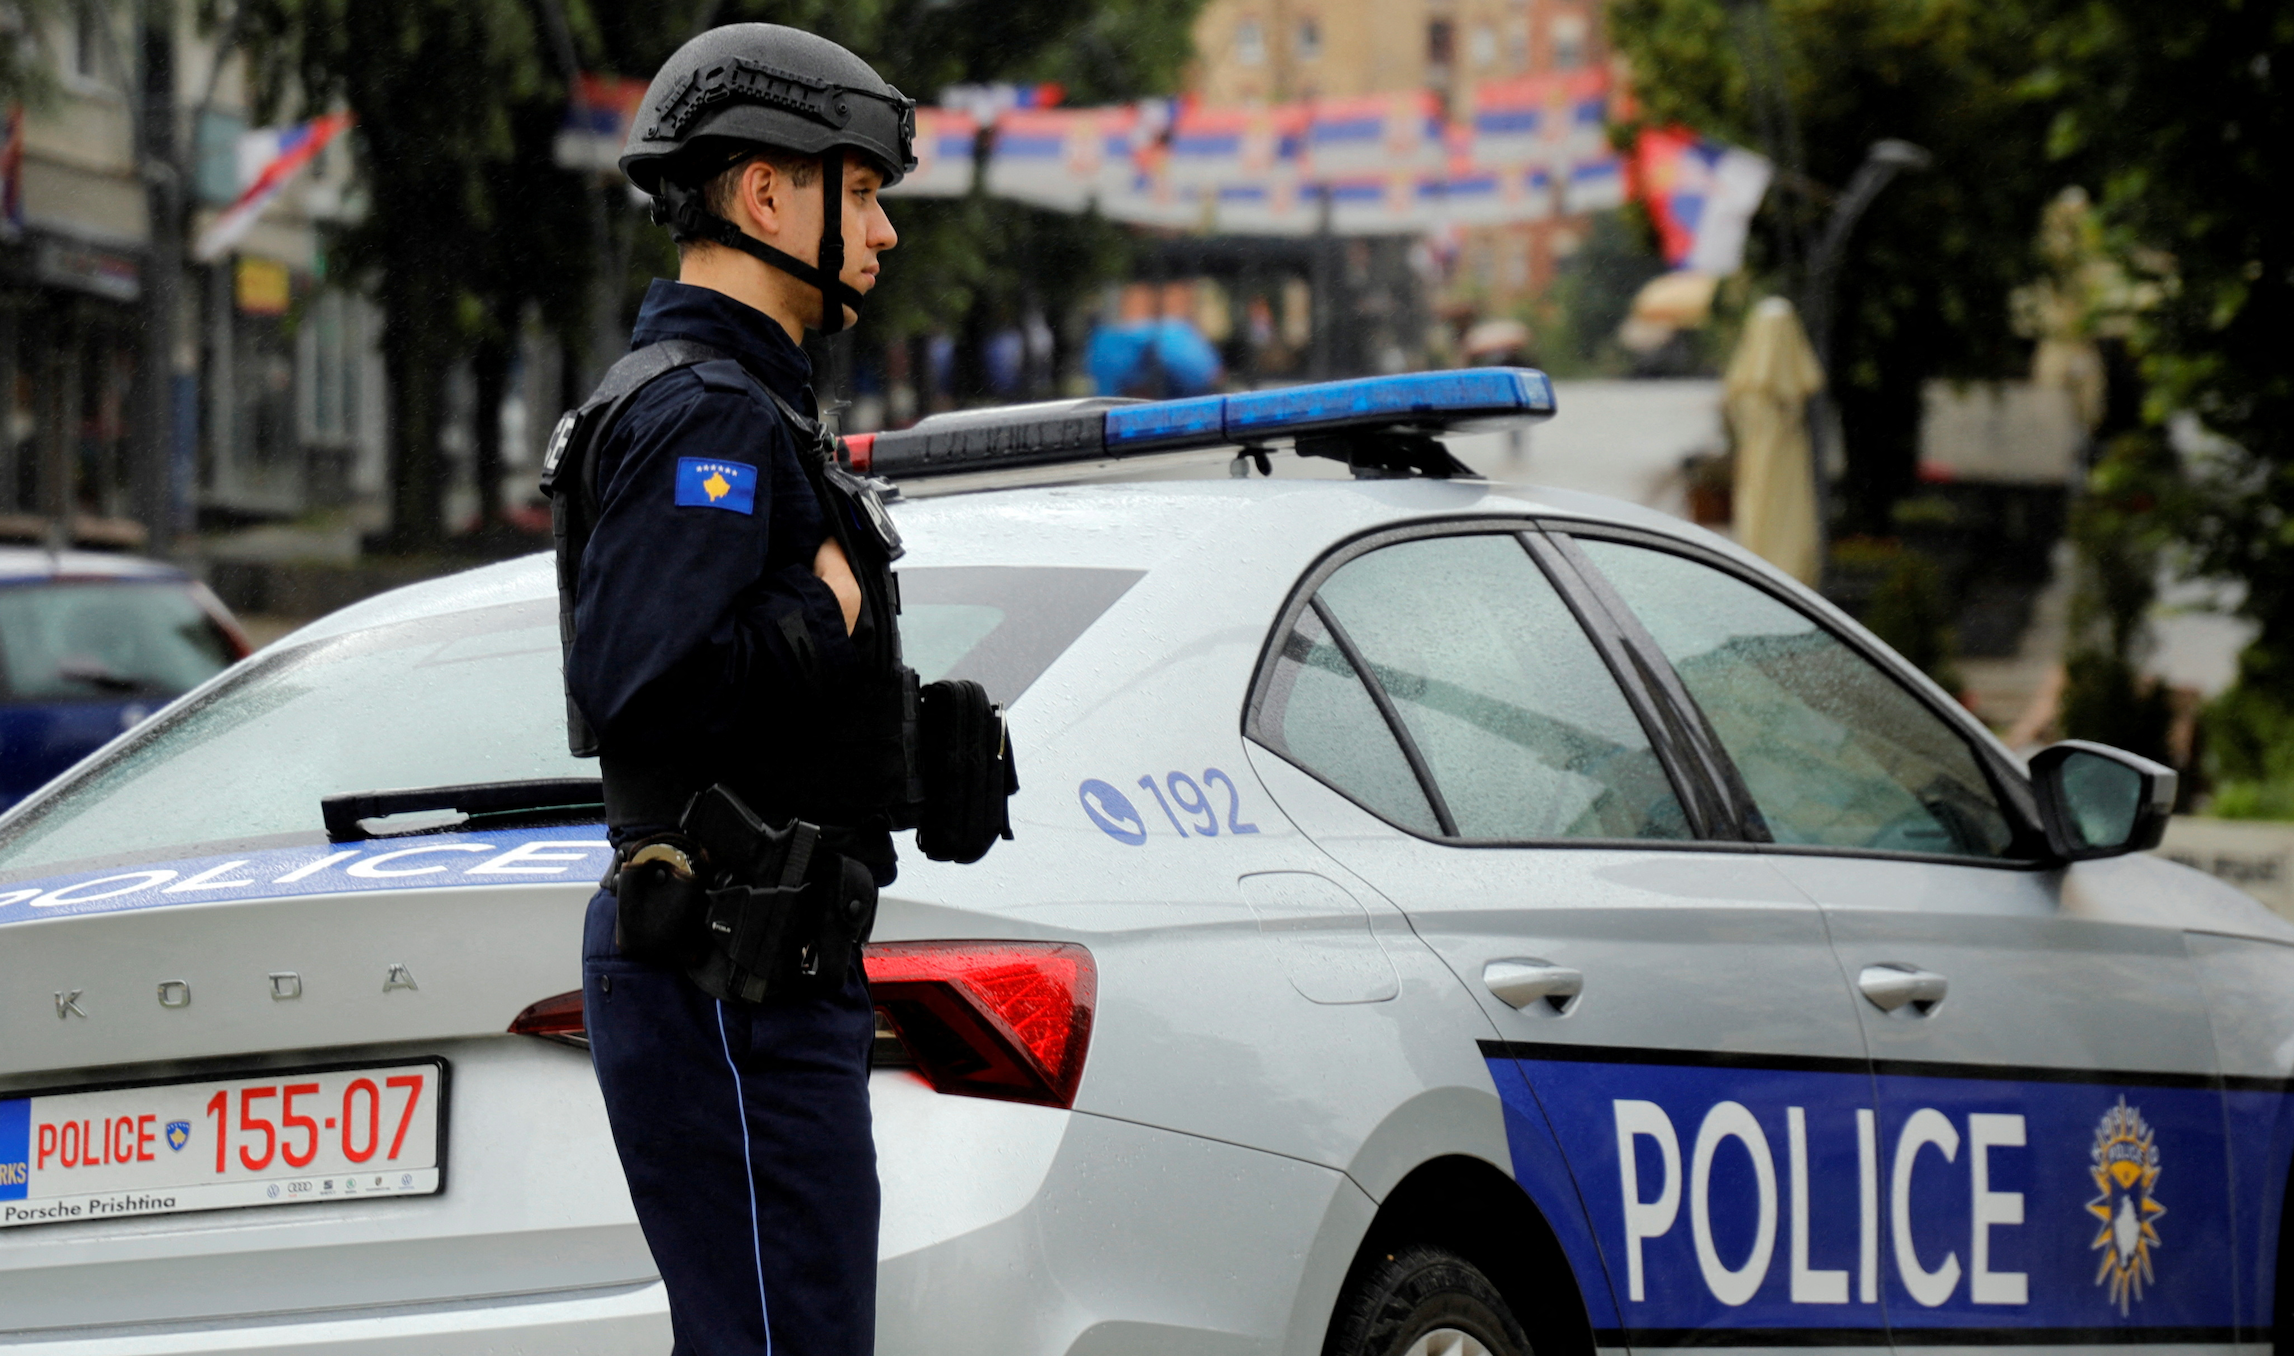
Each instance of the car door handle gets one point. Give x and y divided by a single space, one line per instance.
1890 987
1519 983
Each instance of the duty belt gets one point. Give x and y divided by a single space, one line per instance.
747 910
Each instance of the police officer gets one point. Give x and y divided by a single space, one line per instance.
733 658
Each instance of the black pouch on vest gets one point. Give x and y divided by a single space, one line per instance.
969 777
659 903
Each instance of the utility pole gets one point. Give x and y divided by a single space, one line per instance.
1324 293
607 340
160 416
1779 124
1798 237
1882 162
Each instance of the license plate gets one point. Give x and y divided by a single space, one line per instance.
284 1138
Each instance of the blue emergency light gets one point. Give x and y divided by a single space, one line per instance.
1377 425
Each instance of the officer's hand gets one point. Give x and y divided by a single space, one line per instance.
836 572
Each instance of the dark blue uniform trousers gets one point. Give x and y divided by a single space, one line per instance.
744 1132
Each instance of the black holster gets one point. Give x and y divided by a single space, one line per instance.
764 912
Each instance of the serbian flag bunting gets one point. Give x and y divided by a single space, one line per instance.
943 149
1701 196
269 160
599 109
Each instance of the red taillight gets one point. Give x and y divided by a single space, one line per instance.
554 1019
857 447
1009 1020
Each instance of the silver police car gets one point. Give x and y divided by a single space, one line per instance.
1444 918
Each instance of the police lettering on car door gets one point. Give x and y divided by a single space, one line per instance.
1754 1194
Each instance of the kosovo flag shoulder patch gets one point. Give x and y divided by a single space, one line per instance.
704 482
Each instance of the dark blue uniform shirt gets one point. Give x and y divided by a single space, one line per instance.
698 616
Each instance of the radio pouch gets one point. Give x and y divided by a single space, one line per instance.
965 758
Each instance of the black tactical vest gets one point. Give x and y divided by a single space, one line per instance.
853 760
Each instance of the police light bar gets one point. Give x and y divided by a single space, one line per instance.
1382 425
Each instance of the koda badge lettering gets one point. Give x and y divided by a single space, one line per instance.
2125 1166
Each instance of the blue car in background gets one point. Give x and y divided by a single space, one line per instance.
89 646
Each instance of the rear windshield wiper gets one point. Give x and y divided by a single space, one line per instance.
351 817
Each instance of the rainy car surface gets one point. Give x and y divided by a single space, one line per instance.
1403 868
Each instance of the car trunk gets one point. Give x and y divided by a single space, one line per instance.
530 1197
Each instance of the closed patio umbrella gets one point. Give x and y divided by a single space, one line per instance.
1766 391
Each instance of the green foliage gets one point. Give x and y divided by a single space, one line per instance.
27 68
2108 700
2124 527
2136 501
1575 323
2180 114
1907 606
447 94
1924 283
2250 747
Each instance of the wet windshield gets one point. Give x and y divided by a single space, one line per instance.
472 696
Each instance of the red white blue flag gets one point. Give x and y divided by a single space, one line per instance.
599 109
12 176
269 159
1701 195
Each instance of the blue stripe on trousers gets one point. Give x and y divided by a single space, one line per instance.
794 1175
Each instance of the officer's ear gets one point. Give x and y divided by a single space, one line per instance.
762 196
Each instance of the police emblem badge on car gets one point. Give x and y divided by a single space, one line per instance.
2126 1169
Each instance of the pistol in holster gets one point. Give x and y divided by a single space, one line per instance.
750 912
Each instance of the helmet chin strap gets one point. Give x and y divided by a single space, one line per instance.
682 210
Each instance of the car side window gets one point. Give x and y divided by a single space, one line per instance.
1834 752
1521 730
1319 716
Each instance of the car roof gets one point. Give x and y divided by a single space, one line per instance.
34 565
1115 525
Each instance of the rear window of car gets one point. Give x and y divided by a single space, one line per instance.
472 696
99 640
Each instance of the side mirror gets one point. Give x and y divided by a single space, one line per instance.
2097 801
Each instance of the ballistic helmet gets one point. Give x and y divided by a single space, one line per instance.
744 88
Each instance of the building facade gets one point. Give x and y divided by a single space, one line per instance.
271 401
1276 51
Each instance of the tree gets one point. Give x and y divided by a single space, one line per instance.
471 223
433 84
2179 114
1924 287
535 248
27 69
